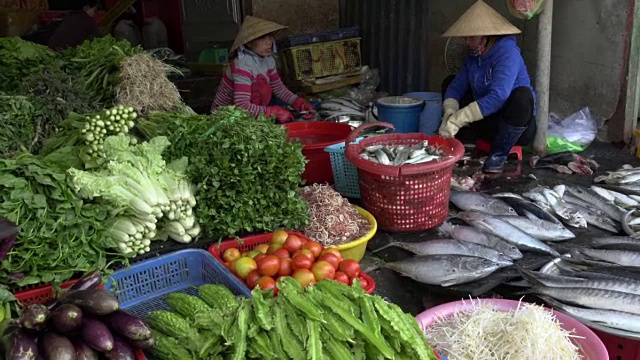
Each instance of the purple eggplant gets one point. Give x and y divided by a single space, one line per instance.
66 318
84 351
8 234
90 280
121 350
56 347
19 345
129 326
143 344
34 317
92 301
96 334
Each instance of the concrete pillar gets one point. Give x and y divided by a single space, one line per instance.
543 71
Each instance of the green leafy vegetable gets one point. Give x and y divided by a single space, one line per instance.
20 59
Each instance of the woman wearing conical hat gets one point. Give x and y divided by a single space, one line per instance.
252 79
492 93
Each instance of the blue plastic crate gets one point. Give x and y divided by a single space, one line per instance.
345 174
144 286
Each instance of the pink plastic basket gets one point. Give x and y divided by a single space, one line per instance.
590 344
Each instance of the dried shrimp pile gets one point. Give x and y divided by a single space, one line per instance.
334 220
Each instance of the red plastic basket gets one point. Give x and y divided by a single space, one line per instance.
619 348
252 241
410 197
43 294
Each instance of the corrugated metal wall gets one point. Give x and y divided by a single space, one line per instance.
394 40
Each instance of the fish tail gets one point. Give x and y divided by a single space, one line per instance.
528 275
388 245
376 263
446 229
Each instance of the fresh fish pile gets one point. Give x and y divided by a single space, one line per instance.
565 163
341 106
622 188
475 201
398 155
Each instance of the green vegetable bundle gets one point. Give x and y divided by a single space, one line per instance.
19 59
245 171
327 321
60 234
18 128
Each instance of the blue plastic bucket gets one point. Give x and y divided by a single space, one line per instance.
431 115
402 112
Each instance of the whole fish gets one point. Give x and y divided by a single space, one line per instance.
593 298
451 247
443 270
611 242
382 157
539 229
596 200
629 287
618 198
610 318
476 236
620 257
548 198
402 156
596 218
524 207
474 201
506 231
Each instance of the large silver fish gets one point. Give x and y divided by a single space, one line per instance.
506 231
444 270
525 208
451 247
596 200
539 229
474 201
549 199
593 298
473 235
611 242
629 287
596 218
611 318
619 257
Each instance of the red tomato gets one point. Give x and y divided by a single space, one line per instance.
279 237
285 267
350 267
244 266
293 243
269 265
306 253
304 240
323 270
262 248
273 247
334 251
259 257
331 259
252 279
315 248
266 283
282 253
304 277
231 254
341 277
363 282
301 261
232 266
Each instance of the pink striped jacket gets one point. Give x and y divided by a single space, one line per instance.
250 82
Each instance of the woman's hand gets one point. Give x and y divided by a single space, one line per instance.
304 106
281 114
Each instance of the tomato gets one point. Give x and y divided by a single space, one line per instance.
273 247
285 267
301 261
252 254
279 237
334 251
262 248
266 283
232 266
304 240
341 277
306 253
282 253
258 257
293 243
323 270
304 277
252 279
231 254
314 247
350 267
363 282
244 266
269 265
331 259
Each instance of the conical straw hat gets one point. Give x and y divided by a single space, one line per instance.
481 20
253 28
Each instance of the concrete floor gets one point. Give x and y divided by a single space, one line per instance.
414 297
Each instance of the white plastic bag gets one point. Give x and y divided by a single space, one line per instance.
579 128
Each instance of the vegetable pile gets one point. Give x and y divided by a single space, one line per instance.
19 59
333 220
247 179
326 321
83 323
291 255
487 333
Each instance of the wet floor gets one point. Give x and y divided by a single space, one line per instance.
414 297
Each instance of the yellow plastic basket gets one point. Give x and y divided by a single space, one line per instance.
322 59
355 249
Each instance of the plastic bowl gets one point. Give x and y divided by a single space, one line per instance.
590 345
355 249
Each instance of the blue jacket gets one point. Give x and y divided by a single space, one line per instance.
492 76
